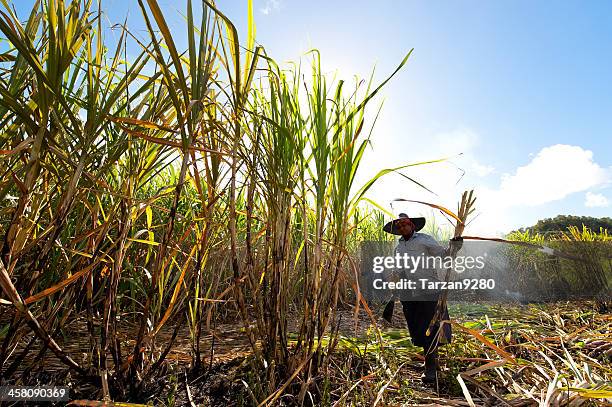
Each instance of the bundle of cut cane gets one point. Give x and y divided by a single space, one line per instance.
465 209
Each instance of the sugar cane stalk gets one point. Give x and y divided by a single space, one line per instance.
465 209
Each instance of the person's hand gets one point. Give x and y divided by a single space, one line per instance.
456 243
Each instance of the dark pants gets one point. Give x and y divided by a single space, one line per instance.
418 315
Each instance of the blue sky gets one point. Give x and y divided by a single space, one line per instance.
523 89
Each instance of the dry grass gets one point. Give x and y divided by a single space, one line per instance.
562 355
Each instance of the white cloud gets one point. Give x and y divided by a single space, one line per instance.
554 173
271 5
592 200
481 170
464 142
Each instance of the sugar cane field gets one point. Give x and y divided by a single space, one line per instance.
183 221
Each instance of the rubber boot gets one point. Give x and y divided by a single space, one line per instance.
431 368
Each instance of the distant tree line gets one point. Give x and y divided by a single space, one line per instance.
560 223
